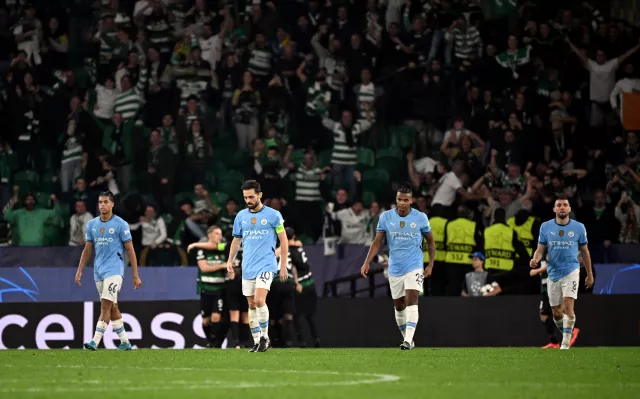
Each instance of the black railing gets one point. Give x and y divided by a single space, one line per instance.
330 288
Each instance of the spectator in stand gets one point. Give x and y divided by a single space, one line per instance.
29 220
78 224
245 102
628 84
344 155
161 171
204 211
154 230
354 221
599 219
627 214
226 218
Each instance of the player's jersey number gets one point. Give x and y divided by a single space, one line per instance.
265 276
112 288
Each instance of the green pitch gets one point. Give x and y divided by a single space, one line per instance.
326 373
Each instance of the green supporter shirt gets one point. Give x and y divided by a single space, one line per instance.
30 224
212 281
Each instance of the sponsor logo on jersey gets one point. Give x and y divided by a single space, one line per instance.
263 222
111 230
413 225
402 224
253 220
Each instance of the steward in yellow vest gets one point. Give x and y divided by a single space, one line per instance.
438 229
501 244
527 227
461 241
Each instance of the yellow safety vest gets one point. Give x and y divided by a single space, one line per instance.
438 225
524 232
461 241
498 247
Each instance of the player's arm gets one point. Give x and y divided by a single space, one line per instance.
540 270
133 260
233 251
431 248
373 251
202 245
586 257
284 251
537 255
206 268
84 258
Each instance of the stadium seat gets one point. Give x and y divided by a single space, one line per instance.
376 181
179 197
324 158
297 157
231 177
219 199
27 180
368 198
403 136
240 159
42 199
46 182
366 159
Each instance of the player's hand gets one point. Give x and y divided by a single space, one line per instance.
588 282
533 272
428 270
283 273
533 263
364 269
230 267
298 287
79 278
137 282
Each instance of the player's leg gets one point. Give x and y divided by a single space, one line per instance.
263 285
311 306
547 322
108 294
118 327
244 332
569 284
397 295
234 320
554 289
216 319
288 310
413 284
248 290
206 309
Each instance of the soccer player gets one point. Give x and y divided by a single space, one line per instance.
305 286
564 238
238 307
404 228
110 236
212 272
256 228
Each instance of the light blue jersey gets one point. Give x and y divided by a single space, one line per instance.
404 237
258 231
562 243
108 239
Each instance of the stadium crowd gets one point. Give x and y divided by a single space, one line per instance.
490 109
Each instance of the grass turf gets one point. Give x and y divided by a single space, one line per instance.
323 373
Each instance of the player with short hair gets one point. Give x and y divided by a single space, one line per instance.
564 238
110 236
212 258
257 228
404 228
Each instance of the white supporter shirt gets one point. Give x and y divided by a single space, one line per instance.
105 99
78 225
602 79
153 231
446 192
354 227
211 49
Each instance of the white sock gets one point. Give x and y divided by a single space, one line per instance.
401 320
254 325
412 322
559 323
263 320
101 327
118 328
567 331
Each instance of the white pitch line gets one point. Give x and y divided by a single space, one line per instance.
368 378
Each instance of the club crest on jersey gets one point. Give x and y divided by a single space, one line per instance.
413 225
402 225
571 234
101 230
111 230
253 220
561 233
263 222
